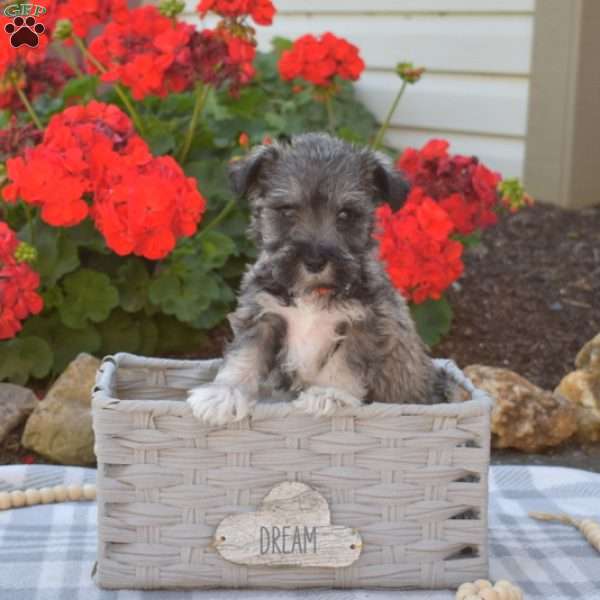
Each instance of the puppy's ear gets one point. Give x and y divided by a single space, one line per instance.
245 173
389 184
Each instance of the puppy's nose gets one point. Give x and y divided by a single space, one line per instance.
315 263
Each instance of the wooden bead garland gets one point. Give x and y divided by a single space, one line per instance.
47 495
482 589
589 528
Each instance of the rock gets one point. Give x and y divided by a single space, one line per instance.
16 402
589 356
524 416
582 388
60 428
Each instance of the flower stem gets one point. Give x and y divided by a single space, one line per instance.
217 220
118 88
201 96
330 113
27 105
66 56
384 126
29 224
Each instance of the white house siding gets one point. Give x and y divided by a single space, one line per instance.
477 55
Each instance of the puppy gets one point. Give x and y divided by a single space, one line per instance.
317 315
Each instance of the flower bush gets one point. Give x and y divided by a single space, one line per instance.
117 228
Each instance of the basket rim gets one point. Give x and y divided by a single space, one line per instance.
479 404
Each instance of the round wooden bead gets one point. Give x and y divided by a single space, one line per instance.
32 496
518 592
17 499
60 493
5 502
89 491
504 592
47 495
465 590
74 492
481 584
488 593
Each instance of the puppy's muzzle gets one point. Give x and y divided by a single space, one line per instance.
315 258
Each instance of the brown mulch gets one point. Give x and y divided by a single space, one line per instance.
530 295
528 301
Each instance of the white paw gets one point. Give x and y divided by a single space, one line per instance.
324 401
216 404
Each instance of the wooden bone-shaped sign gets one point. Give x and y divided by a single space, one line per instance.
292 527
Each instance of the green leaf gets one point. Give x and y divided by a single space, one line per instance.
53 297
132 282
24 357
85 235
159 135
177 338
469 241
66 343
215 249
83 88
433 319
211 178
57 254
185 298
281 43
89 296
45 106
120 333
148 337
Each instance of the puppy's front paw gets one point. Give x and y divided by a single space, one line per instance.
324 401
216 404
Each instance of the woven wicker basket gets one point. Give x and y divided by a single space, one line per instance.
411 479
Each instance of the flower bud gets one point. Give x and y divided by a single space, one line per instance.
171 8
408 72
513 195
63 29
244 140
24 252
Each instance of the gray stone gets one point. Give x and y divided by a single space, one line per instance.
60 428
16 402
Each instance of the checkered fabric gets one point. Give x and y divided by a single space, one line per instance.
47 552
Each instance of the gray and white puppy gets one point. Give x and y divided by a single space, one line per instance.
317 314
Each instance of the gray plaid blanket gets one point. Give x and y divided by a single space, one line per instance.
47 552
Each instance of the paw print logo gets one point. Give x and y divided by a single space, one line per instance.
24 32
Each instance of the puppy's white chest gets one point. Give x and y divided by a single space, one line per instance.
311 337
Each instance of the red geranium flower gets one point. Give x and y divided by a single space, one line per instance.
215 57
262 11
143 52
18 286
319 60
465 188
415 245
91 162
79 146
143 209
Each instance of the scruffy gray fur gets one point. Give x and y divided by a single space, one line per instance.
317 315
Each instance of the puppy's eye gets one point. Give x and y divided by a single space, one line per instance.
345 215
